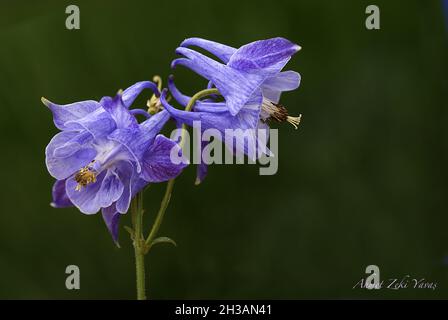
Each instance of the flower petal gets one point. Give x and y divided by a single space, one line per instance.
119 112
99 123
202 168
111 189
153 125
86 199
284 81
60 198
214 115
157 163
134 141
131 93
177 95
68 148
235 86
61 166
70 112
112 219
132 185
263 56
221 51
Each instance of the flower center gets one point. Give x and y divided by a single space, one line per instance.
154 105
85 176
277 112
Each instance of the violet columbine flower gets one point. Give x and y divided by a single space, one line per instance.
251 83
250 73
103 156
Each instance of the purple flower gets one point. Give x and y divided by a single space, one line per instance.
250 73
102 157
251 83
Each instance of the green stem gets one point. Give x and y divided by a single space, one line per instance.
169 188
139 248
160 214
142 246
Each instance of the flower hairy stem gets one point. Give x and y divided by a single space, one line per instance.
139 244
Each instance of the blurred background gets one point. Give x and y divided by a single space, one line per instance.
363 181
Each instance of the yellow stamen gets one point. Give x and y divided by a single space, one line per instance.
84 177
153 103
295 121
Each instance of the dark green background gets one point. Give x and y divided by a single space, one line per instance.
362 182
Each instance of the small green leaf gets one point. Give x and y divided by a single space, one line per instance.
163 240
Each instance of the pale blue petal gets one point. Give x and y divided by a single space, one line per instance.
70 112
263 56
131 93
63 167
158 165
219 50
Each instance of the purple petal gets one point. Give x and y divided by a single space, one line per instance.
119 112
60 166
263 138
112 219
157 163
235 86
111 189
284 81
70 112
202 168
99 123
153 125
134 141
107 189
221 51
184 116
177 95
142 112
86 199
60 198
137 140
131 93
265 56
125 171
68 148
138 185
215 115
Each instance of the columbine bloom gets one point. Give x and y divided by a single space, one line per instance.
103 156
250 73
251 83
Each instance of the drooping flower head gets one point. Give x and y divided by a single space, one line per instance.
102 157
252 72
250 80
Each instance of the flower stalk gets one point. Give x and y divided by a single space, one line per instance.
142 246
139 246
